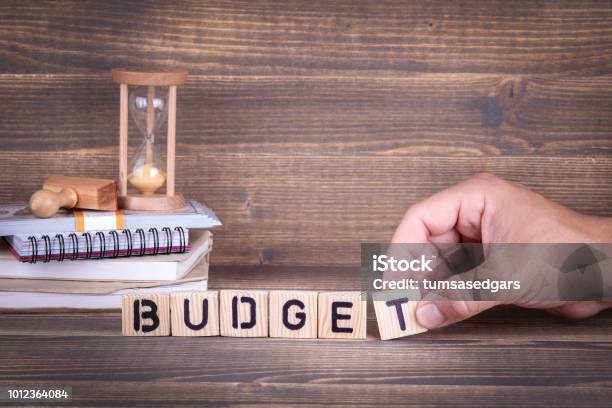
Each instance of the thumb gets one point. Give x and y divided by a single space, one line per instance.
434 314
457 304
505 263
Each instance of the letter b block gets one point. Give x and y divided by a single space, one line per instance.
195 313
293 314
146 315
342 315
244 313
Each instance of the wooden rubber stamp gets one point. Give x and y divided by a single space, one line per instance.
146 315
293 314
195 313
243 313
73 192
342 315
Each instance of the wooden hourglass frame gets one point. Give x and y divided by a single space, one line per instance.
150 79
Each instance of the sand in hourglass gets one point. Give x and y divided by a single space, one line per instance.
147 179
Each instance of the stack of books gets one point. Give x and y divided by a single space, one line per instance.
89 259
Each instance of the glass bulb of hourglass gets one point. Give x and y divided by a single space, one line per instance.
147 175
149 110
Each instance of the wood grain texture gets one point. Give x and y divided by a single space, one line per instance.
310 127
470 115
345 37
309 210
282 394
304 314
342 315
243 313
153 317
202 324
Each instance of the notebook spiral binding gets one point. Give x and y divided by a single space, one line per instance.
102 239
34 245
75 245
115 244
143 245
182 240
60 241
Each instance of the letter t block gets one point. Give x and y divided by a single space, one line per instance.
342 315
395 314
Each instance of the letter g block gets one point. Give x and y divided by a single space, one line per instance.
293 314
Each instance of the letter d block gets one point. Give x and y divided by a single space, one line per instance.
243 313
293 314
146 315
342 315
396 316
195 313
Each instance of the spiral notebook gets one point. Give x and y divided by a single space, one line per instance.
98 244
126 269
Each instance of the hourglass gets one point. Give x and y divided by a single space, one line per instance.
151 101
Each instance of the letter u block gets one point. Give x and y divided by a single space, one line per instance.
243 313
146 315
195 313
342 315
293 314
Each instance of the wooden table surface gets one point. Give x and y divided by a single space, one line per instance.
310 127
507 357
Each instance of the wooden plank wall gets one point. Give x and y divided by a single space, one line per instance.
310 126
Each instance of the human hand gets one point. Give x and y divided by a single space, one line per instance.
487 209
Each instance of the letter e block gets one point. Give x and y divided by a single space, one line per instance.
195 313
146 315
396 316
342 315
243 313
293 314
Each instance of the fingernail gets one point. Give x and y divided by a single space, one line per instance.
429 316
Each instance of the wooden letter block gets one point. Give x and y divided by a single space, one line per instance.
342 315
195 313
396 317
146 315
244 313
293 314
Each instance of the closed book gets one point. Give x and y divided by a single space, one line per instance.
16 219
112 300
73 294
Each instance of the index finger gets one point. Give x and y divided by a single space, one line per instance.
446 216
